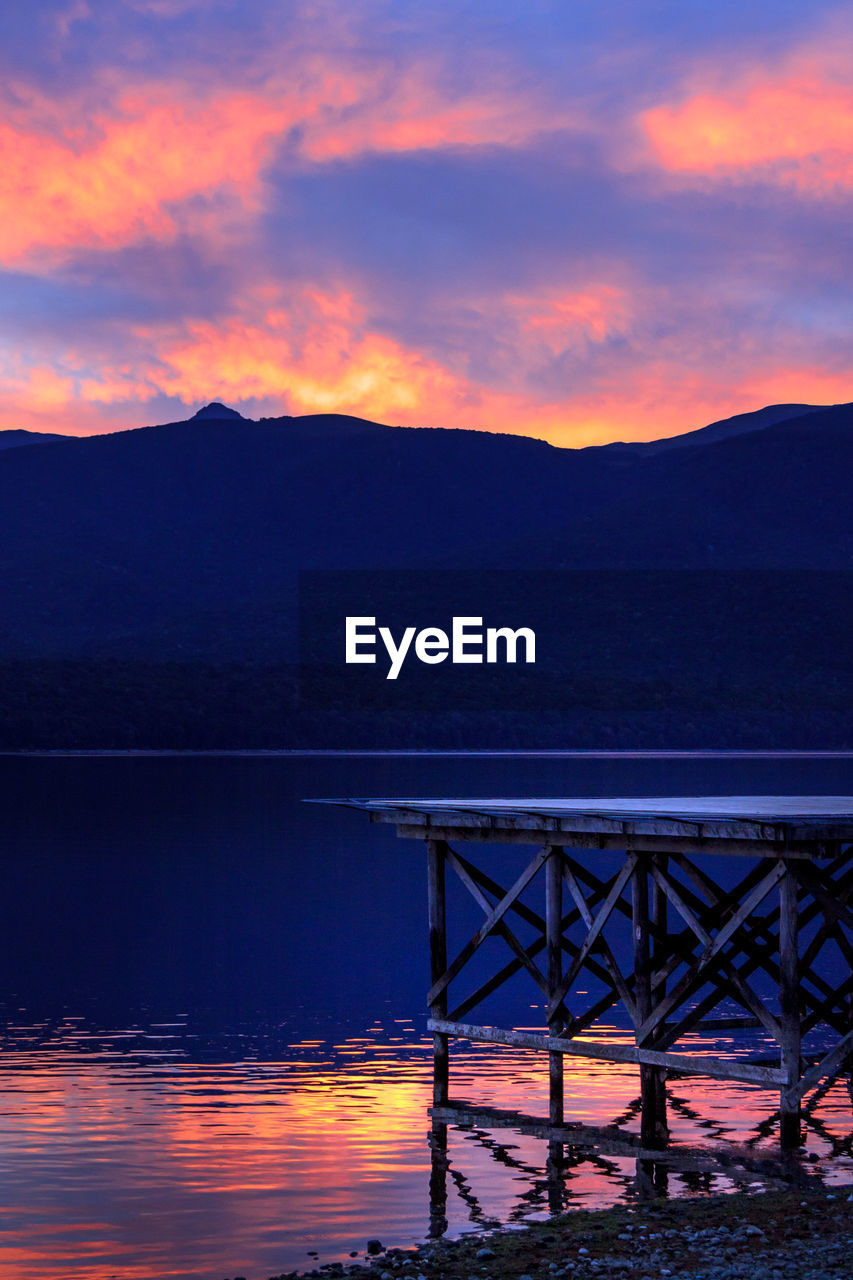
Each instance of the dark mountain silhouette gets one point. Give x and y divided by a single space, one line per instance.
15 437
217 410
175 540
771 498
737 425
135 566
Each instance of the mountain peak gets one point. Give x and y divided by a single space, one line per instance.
217 410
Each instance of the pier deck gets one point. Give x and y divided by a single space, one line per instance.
775 937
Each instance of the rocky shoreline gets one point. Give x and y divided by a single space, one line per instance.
777 1235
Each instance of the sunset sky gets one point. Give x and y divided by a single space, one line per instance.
578 221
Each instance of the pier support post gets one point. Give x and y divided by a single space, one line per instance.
554 931
437 857
659 956
789 1007
643 995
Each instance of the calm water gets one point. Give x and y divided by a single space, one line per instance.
214 1056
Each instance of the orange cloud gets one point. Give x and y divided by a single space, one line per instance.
137 168
122 181
315 351
792 125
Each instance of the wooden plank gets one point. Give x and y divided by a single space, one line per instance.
436 857
688 1064
410 829
497 913
777 819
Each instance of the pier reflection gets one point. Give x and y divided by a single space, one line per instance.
723 1149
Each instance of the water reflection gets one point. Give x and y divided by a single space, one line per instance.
199 1121
126 1153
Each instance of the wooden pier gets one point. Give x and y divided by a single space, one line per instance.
774 936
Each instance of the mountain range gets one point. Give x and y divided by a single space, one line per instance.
182 543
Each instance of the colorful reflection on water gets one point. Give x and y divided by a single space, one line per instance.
131 1154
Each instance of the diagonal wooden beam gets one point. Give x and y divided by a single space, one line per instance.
609 959
843 888
481 879
697 928
716 911
721 905
712 948
756 940
824 1010
495 915
839 912
707 885
525 913
603 915
530 917
735 920
696 977
676 948
501 928
827 1066
761 955
672 942
497 980
593 1013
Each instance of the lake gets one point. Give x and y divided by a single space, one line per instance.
214 1055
